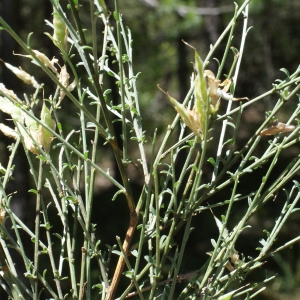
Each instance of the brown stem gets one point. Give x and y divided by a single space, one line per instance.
121 262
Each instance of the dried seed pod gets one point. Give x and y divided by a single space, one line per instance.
278 128
2 215
8 131
201 94
9 108
47 62
216 93
64 80
44 59
30 141
191 118
25 77
4 91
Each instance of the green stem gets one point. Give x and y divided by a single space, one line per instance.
236 59
122 92
50 250
37 230
186 234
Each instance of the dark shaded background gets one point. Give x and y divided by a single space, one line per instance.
158 28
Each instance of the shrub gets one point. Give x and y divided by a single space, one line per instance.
64 163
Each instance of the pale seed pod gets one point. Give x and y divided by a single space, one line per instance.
45 136
47 62
4 91
9 108
64 80
6 106
2 215
44 59
60 30
31 141
191 118
25 77
8 131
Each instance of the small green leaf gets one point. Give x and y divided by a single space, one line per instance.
98 286
116 16
162 239
75 3
106 92
33 191
285 71
44 251
128 274
41 157
227 296
57 235
267 233
119 253
71 199
213 242
212 161
149 259
162 181
116 194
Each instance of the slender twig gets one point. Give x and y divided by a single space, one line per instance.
37 230
239 59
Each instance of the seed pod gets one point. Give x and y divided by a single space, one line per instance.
2 215
9 108
45 137
216 93
31 141
191 118
5 92
64 80
8 131
47 62
60 30
44 59
201 93
25 77
277 128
